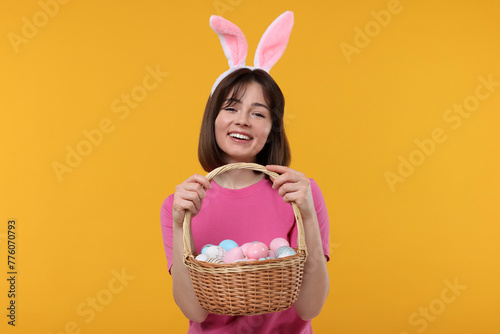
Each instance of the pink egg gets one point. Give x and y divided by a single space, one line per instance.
257 250
244 247
233 255
272 254
277 243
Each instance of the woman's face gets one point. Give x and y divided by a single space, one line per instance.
242 126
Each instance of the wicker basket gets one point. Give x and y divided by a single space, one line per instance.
246 288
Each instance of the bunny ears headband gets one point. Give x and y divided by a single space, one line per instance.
269 51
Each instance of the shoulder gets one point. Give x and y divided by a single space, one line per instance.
319 200
316 191
167 203
314 186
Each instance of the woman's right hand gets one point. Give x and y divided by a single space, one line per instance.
188 196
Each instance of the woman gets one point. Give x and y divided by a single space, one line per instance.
243 122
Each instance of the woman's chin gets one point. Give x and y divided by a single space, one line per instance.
236 159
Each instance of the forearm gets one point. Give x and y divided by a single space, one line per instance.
315 282
183 292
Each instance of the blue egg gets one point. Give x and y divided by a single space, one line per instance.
281 250
287 252
228 244
204 248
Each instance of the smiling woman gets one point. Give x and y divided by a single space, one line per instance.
243 122
254 102
243 125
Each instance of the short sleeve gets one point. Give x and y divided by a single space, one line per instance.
167 228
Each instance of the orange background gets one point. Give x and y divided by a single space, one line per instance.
364 83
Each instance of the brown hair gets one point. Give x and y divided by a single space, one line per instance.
276 151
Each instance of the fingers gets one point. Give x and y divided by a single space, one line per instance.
182 205
288 175
193 191
292 185
188 200
289 188
197 178
295 192
189 194
277 168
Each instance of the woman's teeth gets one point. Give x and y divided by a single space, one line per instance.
239 136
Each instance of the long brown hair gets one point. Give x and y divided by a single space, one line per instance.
276 151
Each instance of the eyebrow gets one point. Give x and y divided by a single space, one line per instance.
237 101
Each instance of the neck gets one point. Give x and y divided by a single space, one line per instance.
238 178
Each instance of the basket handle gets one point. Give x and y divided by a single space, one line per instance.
301 241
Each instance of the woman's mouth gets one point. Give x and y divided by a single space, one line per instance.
240 136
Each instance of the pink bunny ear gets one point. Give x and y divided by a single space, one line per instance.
273 42
232 40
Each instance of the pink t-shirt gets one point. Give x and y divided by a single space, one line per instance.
254 213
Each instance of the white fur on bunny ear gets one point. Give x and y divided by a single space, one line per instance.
274 41
232 40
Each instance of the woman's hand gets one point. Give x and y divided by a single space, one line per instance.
294 187
189 196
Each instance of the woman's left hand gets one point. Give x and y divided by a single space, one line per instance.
294 187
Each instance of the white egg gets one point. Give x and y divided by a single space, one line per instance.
204 248
214 260
215 251
202 257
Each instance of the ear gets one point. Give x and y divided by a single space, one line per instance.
274 41
232 40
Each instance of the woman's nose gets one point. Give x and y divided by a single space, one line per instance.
242 119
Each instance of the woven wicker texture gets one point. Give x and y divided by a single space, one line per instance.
246 288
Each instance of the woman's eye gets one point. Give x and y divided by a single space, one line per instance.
258 114
230 109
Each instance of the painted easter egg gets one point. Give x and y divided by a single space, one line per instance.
287 252
277 243
214 260
204 248
256 250
244 247
228 244
282 249
201 257
233 255
215 251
